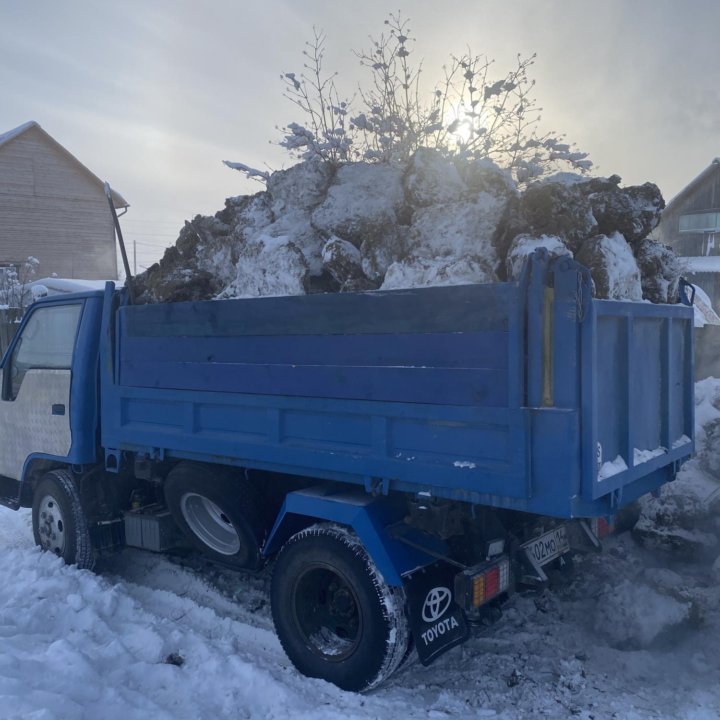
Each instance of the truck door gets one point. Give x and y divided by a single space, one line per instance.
36 377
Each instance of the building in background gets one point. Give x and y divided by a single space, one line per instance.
53 208
691 225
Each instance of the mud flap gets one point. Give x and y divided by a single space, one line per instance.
437 623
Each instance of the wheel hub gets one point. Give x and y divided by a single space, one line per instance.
210 524
51 525
327 614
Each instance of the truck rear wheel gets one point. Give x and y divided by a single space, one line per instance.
220 512
336 617
58 520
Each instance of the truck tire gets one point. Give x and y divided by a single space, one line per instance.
220 512
58 520
336 617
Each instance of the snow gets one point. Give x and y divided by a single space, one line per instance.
11 134
633 616
432 179
458 229
704 314
362 202
58 286
524 245
562 178
612 467
708 263
79 645
427 272
251 172
631 636
618 269
643 456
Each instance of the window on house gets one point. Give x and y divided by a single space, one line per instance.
700 222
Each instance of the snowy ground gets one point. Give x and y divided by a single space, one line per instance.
629 637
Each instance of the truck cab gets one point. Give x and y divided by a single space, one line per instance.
49 393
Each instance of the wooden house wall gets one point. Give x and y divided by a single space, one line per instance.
704 197
52 209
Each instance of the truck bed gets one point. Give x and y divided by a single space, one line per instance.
529 395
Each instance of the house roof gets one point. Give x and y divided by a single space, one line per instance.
7 137
712 167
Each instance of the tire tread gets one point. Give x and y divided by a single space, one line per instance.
392 599
84 551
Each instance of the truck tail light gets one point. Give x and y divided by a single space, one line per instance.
602 527
477 585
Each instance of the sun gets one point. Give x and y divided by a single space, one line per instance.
458 125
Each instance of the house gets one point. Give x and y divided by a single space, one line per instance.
691 225
53 208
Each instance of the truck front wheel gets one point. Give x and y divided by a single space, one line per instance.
219 511
336 617
58 520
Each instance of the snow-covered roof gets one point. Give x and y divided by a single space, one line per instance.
60 286
10 134
703 264
712 167
118 200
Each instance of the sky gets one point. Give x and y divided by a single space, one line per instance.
153 95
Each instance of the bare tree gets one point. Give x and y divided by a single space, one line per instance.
471 114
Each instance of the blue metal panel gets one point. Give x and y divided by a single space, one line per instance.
535 328
495 394
84 405
457 386
452 446
571 282
640 393
368 516
458 309
486 349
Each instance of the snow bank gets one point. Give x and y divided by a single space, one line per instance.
630 615
153 638
683 519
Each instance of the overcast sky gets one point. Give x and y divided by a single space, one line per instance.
152 96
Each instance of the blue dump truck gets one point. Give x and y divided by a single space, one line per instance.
404 458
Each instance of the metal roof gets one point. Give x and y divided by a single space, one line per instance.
693 183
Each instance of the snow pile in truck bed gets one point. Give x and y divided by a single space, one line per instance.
431 221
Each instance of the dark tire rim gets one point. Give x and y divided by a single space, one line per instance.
327 613
51 525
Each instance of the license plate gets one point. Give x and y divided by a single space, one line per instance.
544 549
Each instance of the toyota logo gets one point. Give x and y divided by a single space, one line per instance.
436 603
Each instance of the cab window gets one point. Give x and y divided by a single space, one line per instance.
46 342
